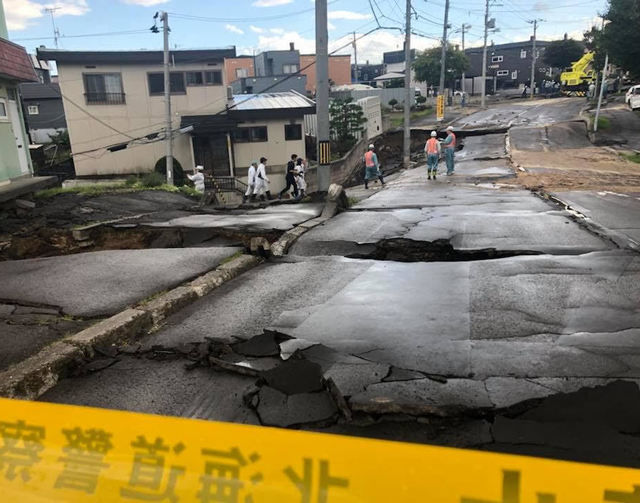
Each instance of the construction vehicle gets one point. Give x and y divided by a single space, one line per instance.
576 79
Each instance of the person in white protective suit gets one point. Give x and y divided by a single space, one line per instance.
251 181
262 181
300 181
197 178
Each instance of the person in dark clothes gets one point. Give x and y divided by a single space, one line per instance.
290 178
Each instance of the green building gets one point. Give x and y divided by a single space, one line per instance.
15 68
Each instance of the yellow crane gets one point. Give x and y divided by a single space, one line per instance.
575 80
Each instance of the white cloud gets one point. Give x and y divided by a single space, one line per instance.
281 42
234 29
21 13
145 3
270 3
256 29
277 31
347 14
331 26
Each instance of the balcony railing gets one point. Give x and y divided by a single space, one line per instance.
105 98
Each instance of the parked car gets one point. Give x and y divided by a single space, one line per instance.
633 91
634 102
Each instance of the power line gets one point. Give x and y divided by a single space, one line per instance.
109 33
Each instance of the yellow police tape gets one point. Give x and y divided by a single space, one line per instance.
65 453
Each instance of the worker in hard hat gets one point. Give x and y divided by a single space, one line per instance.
449 150
197 178
371 167
432 148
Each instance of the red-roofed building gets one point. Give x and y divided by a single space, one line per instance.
15 68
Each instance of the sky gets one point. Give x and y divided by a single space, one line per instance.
257 25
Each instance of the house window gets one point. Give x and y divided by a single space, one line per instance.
242 72
213 78
514 75
292 132
502 73
194 79
289 68
496 59
103 88
33 109
250 134
176 83
523 54
3 109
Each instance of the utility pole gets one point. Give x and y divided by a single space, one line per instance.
322 96
167 99
465 29
602 84
355 57
443 57
56 33
534 57
484 55
408 98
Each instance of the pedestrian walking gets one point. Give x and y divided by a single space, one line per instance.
262 181
197 178
591 91
371 167
449 150
251 181
432 148
290 178
300 181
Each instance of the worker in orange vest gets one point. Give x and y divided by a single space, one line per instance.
432 149
449 150
371 167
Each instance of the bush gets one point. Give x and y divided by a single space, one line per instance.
131 181
178 173
153 179
421 99
393 102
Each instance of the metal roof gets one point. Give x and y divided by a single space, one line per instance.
38 91
271 101
133 57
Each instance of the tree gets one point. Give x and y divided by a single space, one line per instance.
346 121
593 43
561 53
621 36
427 65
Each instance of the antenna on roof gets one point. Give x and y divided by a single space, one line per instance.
56 33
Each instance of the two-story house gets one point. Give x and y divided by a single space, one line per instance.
508 65
114 106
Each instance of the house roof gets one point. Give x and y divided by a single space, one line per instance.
134 57
390 76
15 63
38 91
271 101
512 45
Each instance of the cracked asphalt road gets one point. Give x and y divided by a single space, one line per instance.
493 353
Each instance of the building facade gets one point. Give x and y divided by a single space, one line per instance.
238 68
508 65
273 84
15 68
43 109
114 105
339 70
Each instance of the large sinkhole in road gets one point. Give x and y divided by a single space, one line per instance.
408 250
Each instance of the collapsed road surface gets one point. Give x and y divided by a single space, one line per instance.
463 311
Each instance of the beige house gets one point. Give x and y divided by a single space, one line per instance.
114 105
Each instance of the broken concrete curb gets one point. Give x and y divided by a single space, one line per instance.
32 377
119 327
212 280
282 245
170 302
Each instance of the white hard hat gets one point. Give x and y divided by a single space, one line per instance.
371 145
450 128
433 133
199 168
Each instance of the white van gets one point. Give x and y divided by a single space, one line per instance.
633 91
